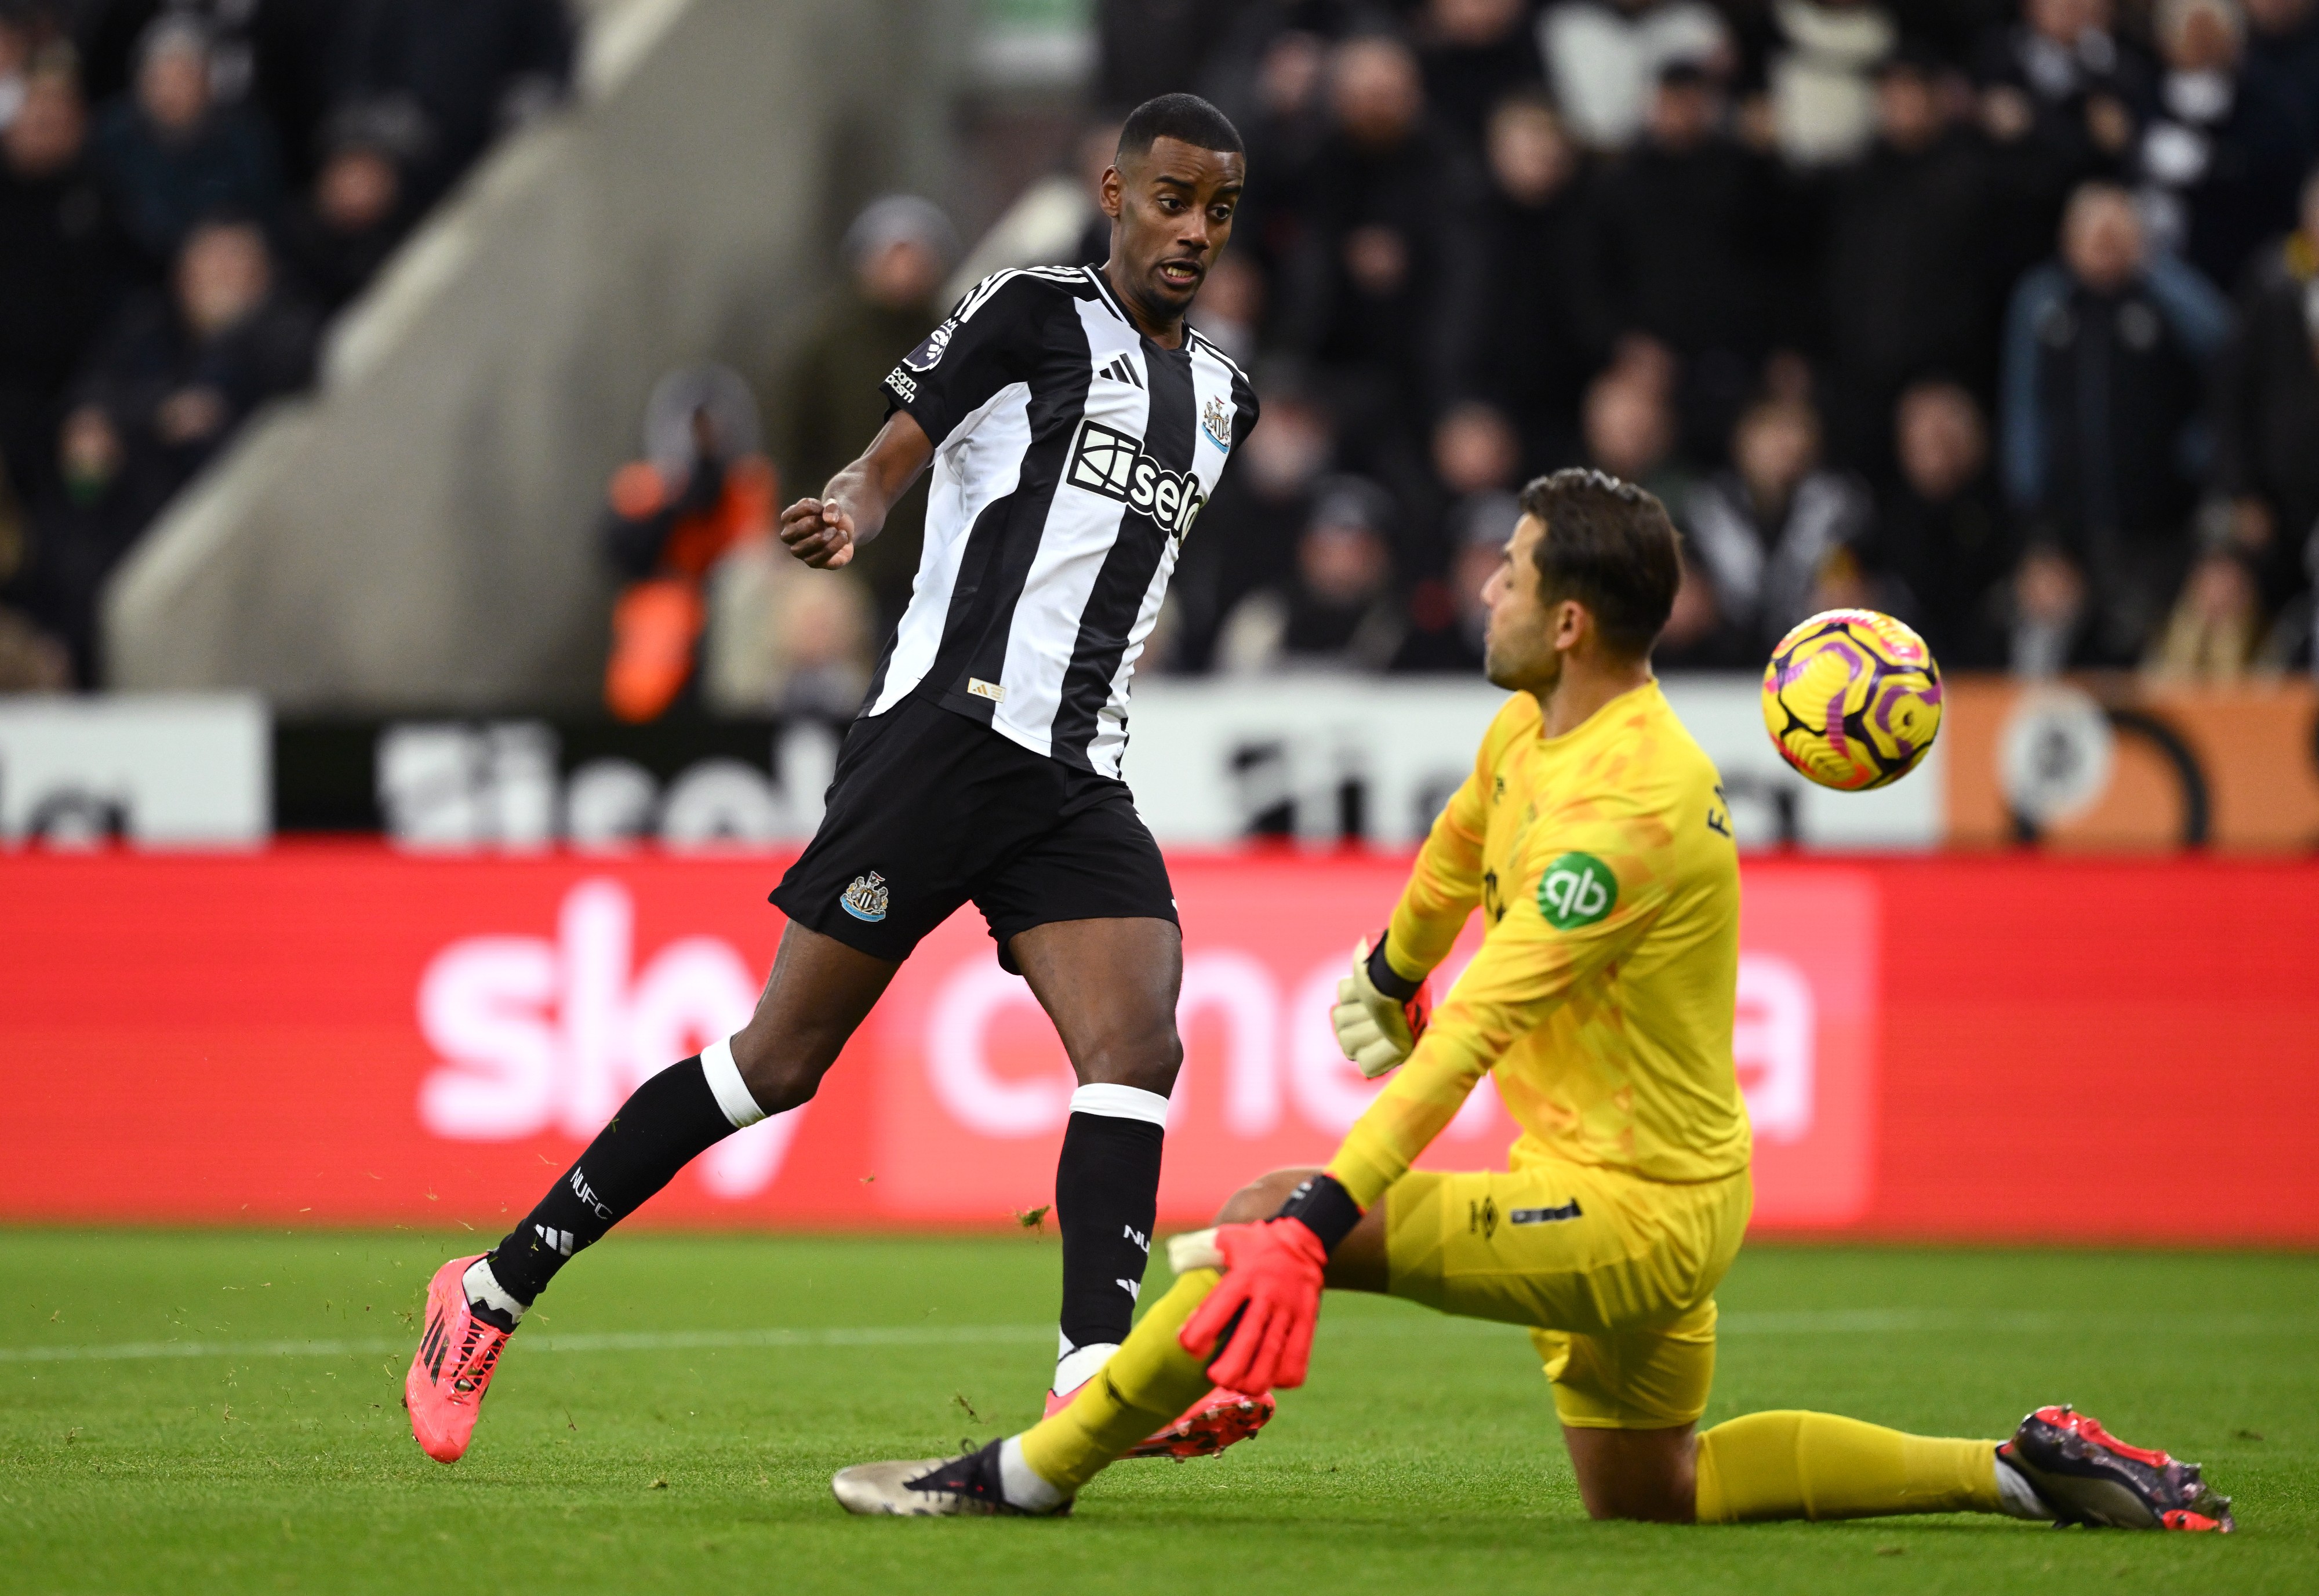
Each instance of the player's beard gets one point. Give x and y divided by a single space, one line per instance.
1520 664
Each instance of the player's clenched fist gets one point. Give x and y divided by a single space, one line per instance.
818 531
1377 1030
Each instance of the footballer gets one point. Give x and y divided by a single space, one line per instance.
1074 422
1595 840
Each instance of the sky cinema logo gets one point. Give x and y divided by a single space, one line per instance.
1114 465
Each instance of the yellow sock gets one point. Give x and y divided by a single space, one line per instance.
1818 1465
1148 1381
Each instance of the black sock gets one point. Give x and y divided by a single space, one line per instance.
1106 1193
666 1123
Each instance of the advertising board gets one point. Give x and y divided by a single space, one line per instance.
340 1034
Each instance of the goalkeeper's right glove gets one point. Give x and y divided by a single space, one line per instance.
1377 1029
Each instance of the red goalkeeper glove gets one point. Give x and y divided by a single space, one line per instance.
1272 1282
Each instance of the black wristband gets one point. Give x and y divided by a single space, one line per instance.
1388 980
1325 1208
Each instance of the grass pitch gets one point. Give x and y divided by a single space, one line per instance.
220 1412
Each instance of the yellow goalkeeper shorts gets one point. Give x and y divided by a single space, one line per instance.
1615 1276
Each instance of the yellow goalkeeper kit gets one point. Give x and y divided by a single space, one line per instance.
1602 1002
1602 999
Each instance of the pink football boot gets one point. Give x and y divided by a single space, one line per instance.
452 1369
1217 1420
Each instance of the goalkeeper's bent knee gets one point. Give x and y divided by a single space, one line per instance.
1790 1465
1148 1381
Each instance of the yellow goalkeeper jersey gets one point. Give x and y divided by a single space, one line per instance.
1602 995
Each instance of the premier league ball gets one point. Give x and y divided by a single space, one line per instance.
1852 699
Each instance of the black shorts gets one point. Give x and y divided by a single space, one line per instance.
930 810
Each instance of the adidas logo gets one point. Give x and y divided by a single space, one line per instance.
561 1241
1123 370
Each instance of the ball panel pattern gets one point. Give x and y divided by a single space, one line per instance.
1852 699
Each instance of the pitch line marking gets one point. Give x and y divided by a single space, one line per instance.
610 1341
1837 1321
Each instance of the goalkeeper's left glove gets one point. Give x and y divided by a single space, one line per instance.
1270 1298
1380 1013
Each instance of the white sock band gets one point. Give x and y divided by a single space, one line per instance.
733 1094
484 1287
1021 1484
2019 1496
1121 1102
1077 1366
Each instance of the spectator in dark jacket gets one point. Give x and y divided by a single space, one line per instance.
171 155
2102 357
61 265
1246 539
828 397
93 510
1153 47
175 378
1766 529
2266 436
1905 277
1387 287
2282 48
2217 162
468 68
1535 359
358 209
1475 53
1676 247
269 56
1941 533
2062 97
1339 611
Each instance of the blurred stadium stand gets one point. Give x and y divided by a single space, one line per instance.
410 534
1813 272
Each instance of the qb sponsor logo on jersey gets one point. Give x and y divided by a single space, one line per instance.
1114 465
1577 889
928 355
865 897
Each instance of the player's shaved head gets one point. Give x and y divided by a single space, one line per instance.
1170 195
1186 118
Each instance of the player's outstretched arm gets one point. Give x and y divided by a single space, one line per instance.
852 509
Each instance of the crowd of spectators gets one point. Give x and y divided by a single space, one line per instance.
2002 315
188 189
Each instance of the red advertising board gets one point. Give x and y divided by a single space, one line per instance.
2002 1047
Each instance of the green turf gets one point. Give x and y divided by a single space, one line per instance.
1421 1458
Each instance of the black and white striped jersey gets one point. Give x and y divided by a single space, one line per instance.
1072 455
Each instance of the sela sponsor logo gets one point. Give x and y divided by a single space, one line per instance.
542 1035
1114 465
865 897
1216 424
928 355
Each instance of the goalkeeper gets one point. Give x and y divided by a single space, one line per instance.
1594 839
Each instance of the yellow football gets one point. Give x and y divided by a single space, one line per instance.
1852 699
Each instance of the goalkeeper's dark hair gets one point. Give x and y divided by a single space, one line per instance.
1187 117
1609 546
